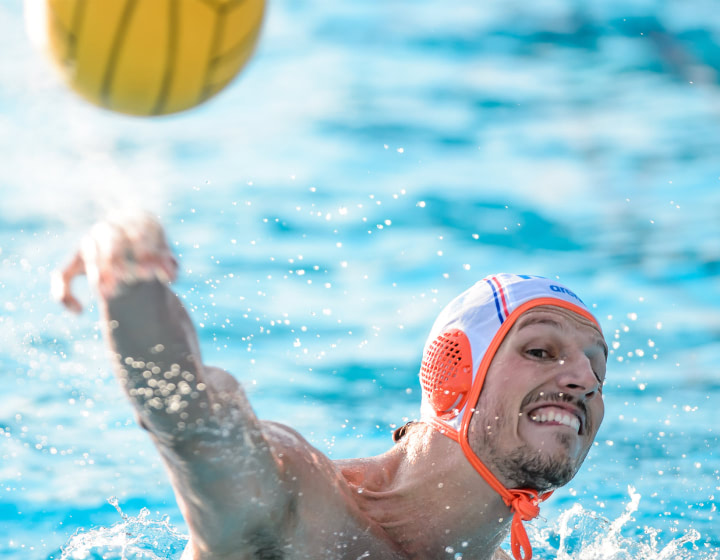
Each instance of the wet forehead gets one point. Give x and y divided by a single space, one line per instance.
562 319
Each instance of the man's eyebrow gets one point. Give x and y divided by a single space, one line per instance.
535 319
540 319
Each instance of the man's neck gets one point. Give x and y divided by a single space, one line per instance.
428 498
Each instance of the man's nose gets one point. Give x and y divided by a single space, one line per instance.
576 376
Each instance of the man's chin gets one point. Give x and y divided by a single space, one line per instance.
537 470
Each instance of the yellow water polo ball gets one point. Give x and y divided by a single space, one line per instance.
147 57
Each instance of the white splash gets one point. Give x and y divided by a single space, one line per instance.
577 534
584 535
132 538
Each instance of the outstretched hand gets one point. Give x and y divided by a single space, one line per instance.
118 252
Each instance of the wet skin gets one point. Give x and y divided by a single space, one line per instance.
250 489
542 397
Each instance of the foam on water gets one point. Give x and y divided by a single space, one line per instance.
579 534
130 539
576 534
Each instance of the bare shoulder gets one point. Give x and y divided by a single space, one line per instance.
298 459
500 554
326 514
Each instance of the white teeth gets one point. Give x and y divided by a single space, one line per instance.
552 416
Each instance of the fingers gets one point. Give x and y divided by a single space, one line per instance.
61 281
105 253
125 250
118 252
150 251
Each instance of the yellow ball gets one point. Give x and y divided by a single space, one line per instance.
150 57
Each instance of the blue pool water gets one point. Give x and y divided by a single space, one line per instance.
372 161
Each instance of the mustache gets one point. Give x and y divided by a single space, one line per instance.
559 397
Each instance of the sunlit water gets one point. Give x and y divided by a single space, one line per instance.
374 160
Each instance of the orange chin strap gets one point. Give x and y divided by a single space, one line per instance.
523 503
526 506
470 328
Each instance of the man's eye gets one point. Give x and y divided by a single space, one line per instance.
538 353
600 379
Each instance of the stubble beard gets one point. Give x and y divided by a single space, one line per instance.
524 466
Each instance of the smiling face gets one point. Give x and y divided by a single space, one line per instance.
541 404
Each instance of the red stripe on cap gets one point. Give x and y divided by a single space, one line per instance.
502 295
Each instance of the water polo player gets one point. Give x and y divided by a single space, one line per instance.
511 379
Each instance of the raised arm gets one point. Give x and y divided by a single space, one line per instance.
154 349
219 458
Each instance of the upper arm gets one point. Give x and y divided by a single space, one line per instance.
221 462
229 478
224 471
156 357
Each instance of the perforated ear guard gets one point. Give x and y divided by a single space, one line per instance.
457 356
462 333
446 373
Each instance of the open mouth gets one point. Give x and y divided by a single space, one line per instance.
556 415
